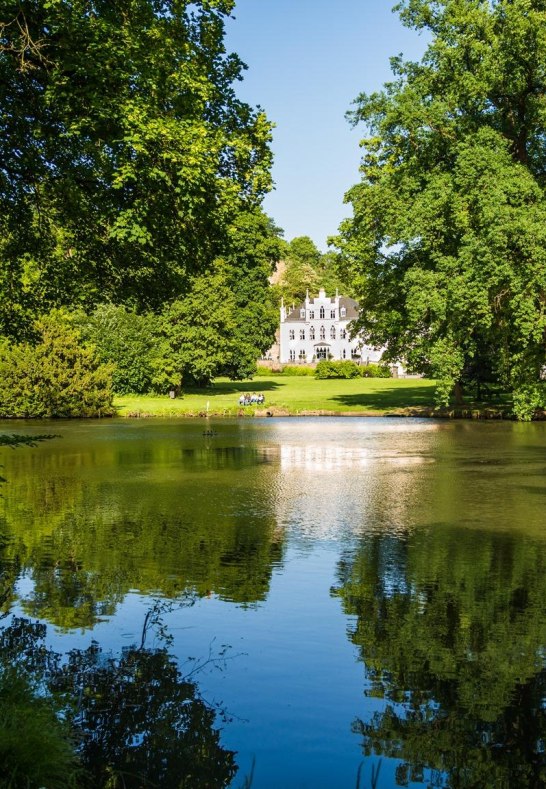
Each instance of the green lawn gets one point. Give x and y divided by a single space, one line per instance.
292 395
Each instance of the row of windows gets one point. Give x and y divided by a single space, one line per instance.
322 313
322 333
320 353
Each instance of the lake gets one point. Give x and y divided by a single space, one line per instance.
348 600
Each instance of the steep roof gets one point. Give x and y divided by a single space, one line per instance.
351 307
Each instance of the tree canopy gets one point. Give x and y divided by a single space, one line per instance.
447 245
125 155
307 269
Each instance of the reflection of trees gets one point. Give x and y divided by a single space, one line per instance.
136 720
89 525
452 628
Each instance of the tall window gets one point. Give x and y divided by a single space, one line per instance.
321 314
292 334
302 356
344 353
311 314
302 334
292 356
342 334
332 313
322 333
312 333
333 333
343 312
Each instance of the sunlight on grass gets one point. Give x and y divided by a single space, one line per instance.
291 394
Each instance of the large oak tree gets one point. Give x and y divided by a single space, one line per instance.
125 154
447 244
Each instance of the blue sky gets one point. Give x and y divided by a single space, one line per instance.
307 61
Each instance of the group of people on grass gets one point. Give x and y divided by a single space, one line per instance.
251 399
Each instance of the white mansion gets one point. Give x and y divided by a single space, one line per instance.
318 329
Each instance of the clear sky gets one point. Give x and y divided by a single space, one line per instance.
307 62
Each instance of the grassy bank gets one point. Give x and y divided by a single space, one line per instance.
289 395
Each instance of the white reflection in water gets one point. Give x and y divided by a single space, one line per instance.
325 457
349 477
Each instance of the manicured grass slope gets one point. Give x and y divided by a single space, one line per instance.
291 394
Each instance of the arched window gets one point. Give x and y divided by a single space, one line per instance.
333 333
322 333
302 334
321 353
342 334
322 312
312 333
302 313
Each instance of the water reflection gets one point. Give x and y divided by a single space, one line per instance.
451 628
126 721
86 522
436 534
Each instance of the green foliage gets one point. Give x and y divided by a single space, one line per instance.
447 246
227 318
35 745
126 155
57 377
349 369
306 269
127 341
375 371
198 333
295 370
333 369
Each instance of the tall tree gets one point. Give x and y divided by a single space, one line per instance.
125 154
447 245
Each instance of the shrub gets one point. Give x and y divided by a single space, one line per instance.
57 377
297 370
333 369
375 371
128 341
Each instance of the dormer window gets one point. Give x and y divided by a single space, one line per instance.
342 312
302 313
321 314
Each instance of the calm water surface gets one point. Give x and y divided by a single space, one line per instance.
366 592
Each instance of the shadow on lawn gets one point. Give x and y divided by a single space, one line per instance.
387 397
234 387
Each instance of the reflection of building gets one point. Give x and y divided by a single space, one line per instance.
319 329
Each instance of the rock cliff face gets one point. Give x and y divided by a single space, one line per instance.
278 274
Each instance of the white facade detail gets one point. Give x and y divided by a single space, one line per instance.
319 329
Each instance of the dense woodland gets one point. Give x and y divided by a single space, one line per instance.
134 251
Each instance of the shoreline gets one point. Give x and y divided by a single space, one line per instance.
278 412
